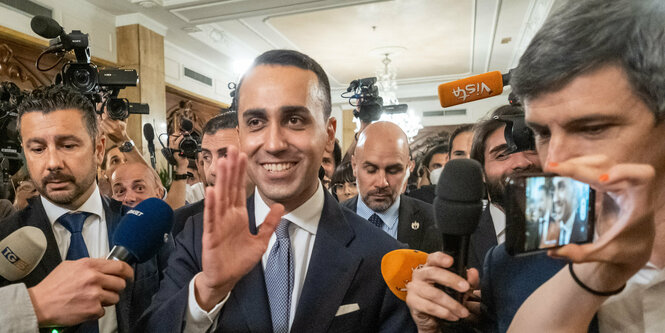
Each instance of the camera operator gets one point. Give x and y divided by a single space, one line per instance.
598 118
116 131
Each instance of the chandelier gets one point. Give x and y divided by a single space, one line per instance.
386 80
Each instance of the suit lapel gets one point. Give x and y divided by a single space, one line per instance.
112 214
407 215
331 270
36 217
250 294
485 235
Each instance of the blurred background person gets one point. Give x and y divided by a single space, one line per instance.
460 142
344 185
134 182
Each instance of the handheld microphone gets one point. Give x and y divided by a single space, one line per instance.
142 231
149 135
457 208
472 88
46 27
21 251
397 267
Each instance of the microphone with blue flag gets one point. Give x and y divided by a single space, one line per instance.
142 231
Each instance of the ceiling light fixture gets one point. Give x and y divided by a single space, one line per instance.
386 79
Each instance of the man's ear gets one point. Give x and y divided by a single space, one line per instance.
100 144
331 127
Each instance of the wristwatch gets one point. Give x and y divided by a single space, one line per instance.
182 176
126 146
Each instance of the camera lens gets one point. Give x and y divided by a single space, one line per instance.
81 77
117 108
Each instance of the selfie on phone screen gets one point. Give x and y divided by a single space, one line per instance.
557 207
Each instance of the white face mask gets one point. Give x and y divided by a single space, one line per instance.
434 176
407 174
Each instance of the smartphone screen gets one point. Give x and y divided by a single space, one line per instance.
546 211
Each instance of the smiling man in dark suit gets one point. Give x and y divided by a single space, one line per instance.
288 258
63 147
381 164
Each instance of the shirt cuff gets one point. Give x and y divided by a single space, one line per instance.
199 320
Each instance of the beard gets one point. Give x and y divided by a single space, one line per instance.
383 205
79 188
496 187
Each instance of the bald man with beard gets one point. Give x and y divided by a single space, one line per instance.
382 164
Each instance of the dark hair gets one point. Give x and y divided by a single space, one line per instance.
343 174
440 149
225 120
457 131
296 59
583 36
337 153
106 154
487 126
58 97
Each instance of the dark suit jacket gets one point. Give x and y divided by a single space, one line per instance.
425 193
481 240
580 230
423 235
181 215
508 281
344 269
137 295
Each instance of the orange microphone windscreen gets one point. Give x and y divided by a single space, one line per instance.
397 267
471 88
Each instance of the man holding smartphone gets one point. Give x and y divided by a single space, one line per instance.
591 82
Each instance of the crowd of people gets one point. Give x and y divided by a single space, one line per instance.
275 230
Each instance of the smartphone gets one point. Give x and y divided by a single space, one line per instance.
545 210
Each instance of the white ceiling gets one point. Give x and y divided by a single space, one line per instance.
442 40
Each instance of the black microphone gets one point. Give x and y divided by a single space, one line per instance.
149 135
186 125
46 27
457 208
142 231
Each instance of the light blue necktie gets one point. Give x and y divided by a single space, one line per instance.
73 222
376 220
279 277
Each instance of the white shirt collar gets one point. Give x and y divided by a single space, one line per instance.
306 216
92 205
390 216
498 219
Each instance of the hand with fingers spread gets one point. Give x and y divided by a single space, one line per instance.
427 302
77 291
229 249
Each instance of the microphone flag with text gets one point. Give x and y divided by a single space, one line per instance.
21 251
397 266
473 88
142 231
